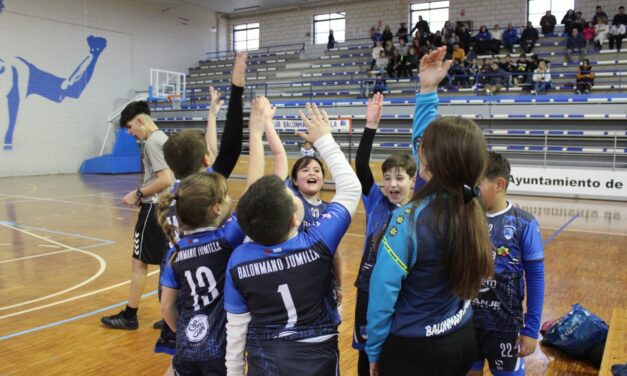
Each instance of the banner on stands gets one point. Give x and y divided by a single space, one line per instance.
340 125
572 182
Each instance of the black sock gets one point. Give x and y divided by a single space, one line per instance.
129 312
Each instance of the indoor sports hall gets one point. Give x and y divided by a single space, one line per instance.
69 68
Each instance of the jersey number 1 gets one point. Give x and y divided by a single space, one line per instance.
212 290
292 316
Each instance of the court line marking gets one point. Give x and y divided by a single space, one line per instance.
33 189
74 318
74 297
55 252
559 230
34 199
74 235
101 269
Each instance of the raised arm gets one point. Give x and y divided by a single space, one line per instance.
211 133
347 187
256 125
274 141
362 158
231 145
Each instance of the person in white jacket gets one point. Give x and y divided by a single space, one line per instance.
541 78
601 31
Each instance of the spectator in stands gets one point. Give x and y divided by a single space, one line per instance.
601 31
436 39
471 55
598 14
458 53
382 61
307 149
376 52
522 71
618 29
380 85
402 33
528 38
575 45
585 78
422 25
387 35
376 32
458 74
448 27
541 78
403 47
497 79
485 70
510 38
579 23
473 71
389 48
411 61
508 66
483 40
464 37
588 35
548 22
331 42
567 21
395 64
497 40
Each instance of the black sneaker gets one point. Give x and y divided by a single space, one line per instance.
120 322
158 325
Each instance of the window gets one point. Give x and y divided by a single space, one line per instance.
331 21
434 12
537 8
246 37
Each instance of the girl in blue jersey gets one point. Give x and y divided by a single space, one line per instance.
279 292
434 252
196 264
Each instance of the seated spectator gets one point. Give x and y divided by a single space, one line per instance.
588 35
496 80
618 29
547 23
448 28
387 35
382 61
598 14
579 23
601 31
482 40
508 66
473 71
464 37
510 38
307 149
528 38
376 52
389 48
402 47
575 45
497 40
458 74
331 42
485 70
402 33
366 87
411 61
436 39
380 85
541 78
585 78
375 32
428 47
421 25
471 55
522 71
395 64
458 53
567 21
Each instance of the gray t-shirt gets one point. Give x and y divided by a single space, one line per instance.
153 161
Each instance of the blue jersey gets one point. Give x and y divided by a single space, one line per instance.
288 288
517 240
312 210
198 272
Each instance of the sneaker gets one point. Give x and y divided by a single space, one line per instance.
587 91
533 92
577 92
120 322
158 325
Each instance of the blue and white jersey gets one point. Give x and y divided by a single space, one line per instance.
378 210
312 210
517 240
288 288
198 272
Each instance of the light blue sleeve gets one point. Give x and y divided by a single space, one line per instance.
425 112
394 260
234 302
168 278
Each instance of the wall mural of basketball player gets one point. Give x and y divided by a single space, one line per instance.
19 78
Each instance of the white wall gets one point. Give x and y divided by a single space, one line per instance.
52 137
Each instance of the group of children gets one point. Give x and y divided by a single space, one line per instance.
256 291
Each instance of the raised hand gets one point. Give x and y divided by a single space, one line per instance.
433 70
256 122
317 123
373 112
216 102
239 69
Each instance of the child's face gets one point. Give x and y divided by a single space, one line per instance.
491 189
397 185
309 179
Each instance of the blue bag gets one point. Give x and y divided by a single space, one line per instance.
576 332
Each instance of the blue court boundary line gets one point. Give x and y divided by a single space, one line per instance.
36 329
559 230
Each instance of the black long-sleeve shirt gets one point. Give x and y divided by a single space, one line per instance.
231 142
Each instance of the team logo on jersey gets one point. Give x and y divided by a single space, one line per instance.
502 251
197 328
363 331
136 244
393 231
508 232
490 227
407 211
400 219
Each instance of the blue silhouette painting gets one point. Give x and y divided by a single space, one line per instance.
19 78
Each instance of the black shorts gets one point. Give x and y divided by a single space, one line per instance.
214 367
499 349
149 243
284 358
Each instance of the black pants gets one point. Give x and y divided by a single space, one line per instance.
447 355
618 40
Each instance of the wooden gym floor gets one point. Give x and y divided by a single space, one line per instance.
65 246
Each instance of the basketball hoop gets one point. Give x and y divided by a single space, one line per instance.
175 100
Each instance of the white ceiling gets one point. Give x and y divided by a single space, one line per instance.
230 6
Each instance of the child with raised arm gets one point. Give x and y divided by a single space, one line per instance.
504 335
279 293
